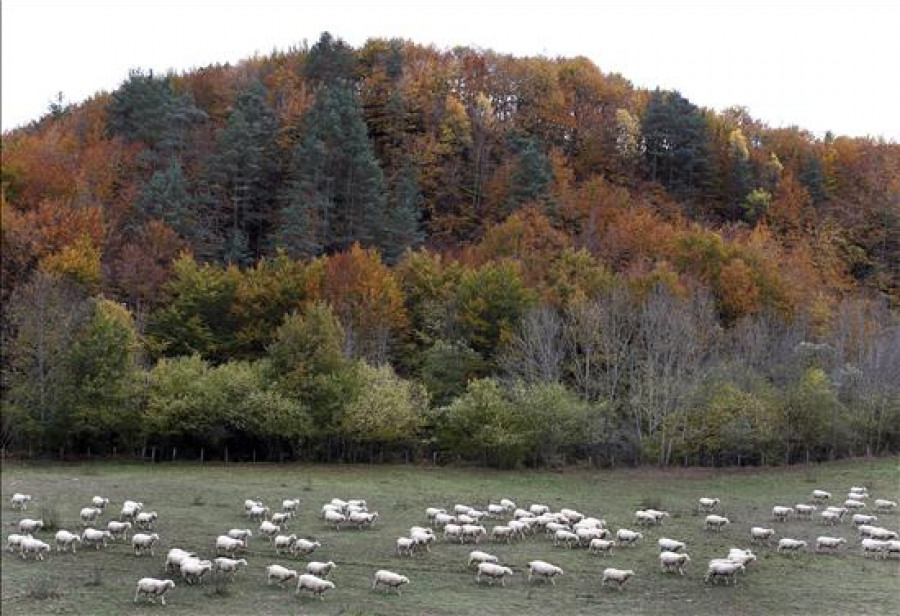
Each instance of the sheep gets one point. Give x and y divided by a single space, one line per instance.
567 537
118 529
745 557
538 509
152 588
144 543
453 531
146 519
874 546
495 510
859 489
727 569
708 504
852 503
477 557
830 518
600 545
228 545
882 534
458 509
340 503
591 523
243 534
315 585
329 507
572 515
442 519
28 526
100 502
95 537
758 534
658 516
829 543
543 570
644 518
305 546
14 542
257 513
554 527
619 576
359 502
193 569
673 561
840 511
281 519
228 566
405 545
805 511
130 509
464 518
20 501
431 512
790 545
176 556
250 503
472 531
419 529
893 547
859 519
670 545
821 495
629 537
519 528
866 530
858 495
284 543
279 574
422 538
884 505
492 571
30 545
268 530
499 533
362 518
519 514
320 569
507 504
781 514
89 515
290 505
390 579
586 535
716 522
335 518
65 540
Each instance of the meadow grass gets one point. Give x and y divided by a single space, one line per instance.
195 504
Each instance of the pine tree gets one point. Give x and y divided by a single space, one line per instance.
531 176
165 197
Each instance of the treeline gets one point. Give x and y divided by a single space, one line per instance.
527 260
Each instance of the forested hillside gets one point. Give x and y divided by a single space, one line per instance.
404 252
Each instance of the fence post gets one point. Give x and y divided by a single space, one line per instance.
202 453
153 454
174 451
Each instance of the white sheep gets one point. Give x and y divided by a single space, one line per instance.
829 543
670 545
821 495
243 534
89 515
146 519
305 546
257 513
893 547
66 540
268 530
519 514
28 526
431 512
543 570
830 518
228 545
586 535
143 543
601 545
130 509
320 569
502 532
96 537
193 569
228 566
458 508
329 507
882 534
442 519
452 531
290 505
390 579
790 545
507 504
492 571
339 503
464 518
658 515
708 504
804 511
885 505
249 503
519 528
175 557
673 561
758 534
859 519
284 543
781 513
405 545
100 502
422 538
477 557
495 510
644 518
538 509
281 519
313 584
628 537
861 496
852 503
359 503
552 527
745 557
572 515
840 511
618 576
866 530
363 518
20 501
335 518
874 546
30 545
567 537
14 542
118 529
472 531
727 569
152 588
716 522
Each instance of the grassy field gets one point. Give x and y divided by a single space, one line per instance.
195 504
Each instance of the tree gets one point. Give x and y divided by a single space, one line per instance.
531 177
329 61
165 197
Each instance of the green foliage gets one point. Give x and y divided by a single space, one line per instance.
330 60
447 367
388 409
531 177
756 204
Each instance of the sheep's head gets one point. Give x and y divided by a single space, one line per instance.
168 584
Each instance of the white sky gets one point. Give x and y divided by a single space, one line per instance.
818 64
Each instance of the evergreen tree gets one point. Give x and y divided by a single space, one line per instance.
329 61
402 228
165 196
532 175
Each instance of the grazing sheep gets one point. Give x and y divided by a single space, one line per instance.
405 545
805 511
152 588
492 571
586 535
476 557
472 531
277 573
284 543
243 534
20 501
320 569
358 502
716 522
629 537
866 530
884 505
431 512
363 518
601 545
829 543
250 503
29 526
290 505
572 515
390 579
861 496
543 570
567 537
330 507
463 518
313 584
335 518
726 569
175 557
193 569
673 561
852 503
14 542
30 545
340 503
66 540
100 502
620 576
146 519
228 566
759 534
659 516
830 518
874 546
538 509
502 533
458 509
781 514
893 547
89 515
268 530
442 519
495 510
644 518
229 545
144 543
422 539
519 514
507 504
305 546
118 529
841 511
519 528
281 519
453 531
257 513
859 519
790 545
708 504
745 557
821 495
882 534
95 537
130 509
670 545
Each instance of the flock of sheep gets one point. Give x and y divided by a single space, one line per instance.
463 524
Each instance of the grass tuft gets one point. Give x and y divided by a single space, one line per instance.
50 517
95 576
43 588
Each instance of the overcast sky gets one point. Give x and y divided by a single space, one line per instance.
819 64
